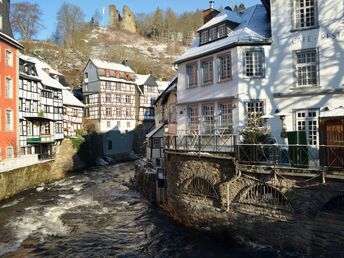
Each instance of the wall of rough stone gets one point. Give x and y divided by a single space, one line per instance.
126 22
305 228
18 180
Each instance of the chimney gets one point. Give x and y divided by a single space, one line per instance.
210 13
125 62
5 14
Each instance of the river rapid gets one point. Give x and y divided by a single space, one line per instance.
94 213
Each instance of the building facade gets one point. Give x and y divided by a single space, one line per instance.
9 52
222 78
307 68
109 91
41 109
73 114
147 92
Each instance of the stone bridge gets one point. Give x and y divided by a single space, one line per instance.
297 210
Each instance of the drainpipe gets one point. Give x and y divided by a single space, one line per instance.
227 197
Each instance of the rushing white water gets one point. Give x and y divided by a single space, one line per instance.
95 214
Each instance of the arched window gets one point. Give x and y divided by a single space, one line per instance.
265 195
202 187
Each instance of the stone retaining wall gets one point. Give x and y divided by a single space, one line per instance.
301 220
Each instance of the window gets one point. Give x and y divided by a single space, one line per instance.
193 117
213 33
118 112
225 67
156 142
86 75
307 120
108 124
254 107
128 124
158 161
108 85
108 111
0 153
109 145
305 14
222 30
9 88
0 22
127 99
108 98
306 68
208 118
9 57
9 120
118 124
191 71
204 36
207 71
253 63
9 152
225 116
118 99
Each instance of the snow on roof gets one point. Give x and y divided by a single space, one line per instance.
111 66
70 100
170 87
11 40
162 85
154 131
333 113
45 78
141 79
225 15
253 28
113 79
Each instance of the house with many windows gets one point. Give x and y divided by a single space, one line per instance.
147 92
9 52
40 108
109 90
307 70
73 114
222 77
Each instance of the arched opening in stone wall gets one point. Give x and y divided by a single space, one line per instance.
202 187
266 196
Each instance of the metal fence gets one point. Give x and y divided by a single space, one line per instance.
202 143
299 156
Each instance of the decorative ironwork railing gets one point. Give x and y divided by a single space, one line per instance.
317 157
202 143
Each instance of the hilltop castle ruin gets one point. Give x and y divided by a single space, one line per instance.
116 21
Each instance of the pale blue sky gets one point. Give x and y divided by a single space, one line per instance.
50 7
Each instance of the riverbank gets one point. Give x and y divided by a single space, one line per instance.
18 180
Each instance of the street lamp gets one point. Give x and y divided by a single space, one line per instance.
282 116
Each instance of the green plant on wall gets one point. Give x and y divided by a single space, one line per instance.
41 113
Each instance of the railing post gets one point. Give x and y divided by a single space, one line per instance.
199 143
175 142
216 142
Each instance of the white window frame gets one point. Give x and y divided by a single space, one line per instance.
204 36
9 120
305 66
9 88
302 12
9 57
222 30
191 78
12 152
307 120
256 64
254 107
221 67
213 33
207 71
192 115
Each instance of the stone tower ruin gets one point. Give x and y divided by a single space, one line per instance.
116 21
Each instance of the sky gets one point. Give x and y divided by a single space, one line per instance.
50 7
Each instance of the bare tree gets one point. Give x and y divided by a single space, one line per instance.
70 19
26 19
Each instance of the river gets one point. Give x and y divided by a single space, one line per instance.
94 214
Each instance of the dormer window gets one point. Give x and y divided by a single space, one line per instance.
213 33
204 36
222 30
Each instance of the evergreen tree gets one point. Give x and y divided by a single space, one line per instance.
256 132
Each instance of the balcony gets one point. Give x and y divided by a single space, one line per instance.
312 157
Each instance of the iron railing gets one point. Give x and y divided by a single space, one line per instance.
317 157
201 143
